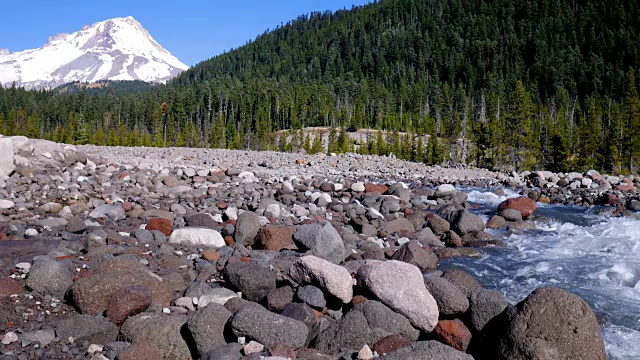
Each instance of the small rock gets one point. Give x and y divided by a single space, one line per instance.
9 338
253 347
161 224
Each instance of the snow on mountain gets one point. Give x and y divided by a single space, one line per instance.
115 49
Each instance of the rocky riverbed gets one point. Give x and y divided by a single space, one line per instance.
138 253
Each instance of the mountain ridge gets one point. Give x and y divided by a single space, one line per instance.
113 49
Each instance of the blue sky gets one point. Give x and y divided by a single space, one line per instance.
193 31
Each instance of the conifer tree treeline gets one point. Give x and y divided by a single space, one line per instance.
514 84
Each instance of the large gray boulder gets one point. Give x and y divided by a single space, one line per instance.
451 300
431 350
161 330
465 222
350 332
253 280
484 305
50 278
401 287
247 228
207 327
268 328
321 238
379 316
6 160
92 329
551 323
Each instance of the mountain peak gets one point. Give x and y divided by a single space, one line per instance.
113 49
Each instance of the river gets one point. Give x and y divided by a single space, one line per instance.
593 255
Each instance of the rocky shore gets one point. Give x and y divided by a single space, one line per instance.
137 253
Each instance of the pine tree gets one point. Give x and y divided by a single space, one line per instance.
333 145
632 119
307 144
3 125
519 127
317 144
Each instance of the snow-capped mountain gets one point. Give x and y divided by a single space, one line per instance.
115 49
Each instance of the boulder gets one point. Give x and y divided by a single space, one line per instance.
268 328
453 333
465 222
432 350
511 214
524 205
484 305
390 343
231 351
128 301
496 222
322 239
417 255
462 280
161 224
311 296
333 279
398 225
450 299
207 327
438 224
278 298
92 329
161 330
6 160
50 278
197 237
93 294
401 287
445 190
247 228
551 323
253 280
350 332
275 237
379 316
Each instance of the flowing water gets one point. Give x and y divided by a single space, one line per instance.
577 249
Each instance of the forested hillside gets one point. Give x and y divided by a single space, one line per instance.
510 84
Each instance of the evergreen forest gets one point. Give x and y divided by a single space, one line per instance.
503 84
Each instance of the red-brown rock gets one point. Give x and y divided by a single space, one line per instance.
127 302
370 188
358 299
626 188
524 205
390 343
453 333
160 224
282 350
9 287
273 237
93 293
